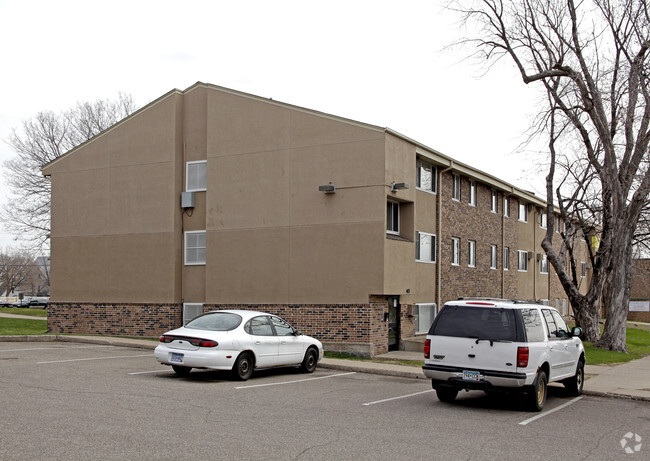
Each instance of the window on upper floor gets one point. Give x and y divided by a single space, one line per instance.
506 206
455 187
494 201
194 248
425 247
523 211
471 253
493 256
522 263
455 251
195 176
392 217
543 220
506 259
472 193
427 176
543 264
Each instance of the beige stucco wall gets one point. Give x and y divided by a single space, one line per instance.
115 213
272 236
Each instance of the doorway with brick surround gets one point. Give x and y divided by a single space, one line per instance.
393 323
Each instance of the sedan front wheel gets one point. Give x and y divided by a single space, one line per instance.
310 361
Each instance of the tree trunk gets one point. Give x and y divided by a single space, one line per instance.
614 334
587 319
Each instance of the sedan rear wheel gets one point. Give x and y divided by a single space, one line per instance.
243 368
181 371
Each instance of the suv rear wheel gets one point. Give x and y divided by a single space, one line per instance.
446 395
537 395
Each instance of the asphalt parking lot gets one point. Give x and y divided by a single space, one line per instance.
83 401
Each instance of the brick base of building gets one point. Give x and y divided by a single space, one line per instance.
359 329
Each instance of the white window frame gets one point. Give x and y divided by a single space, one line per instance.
191 175
471 253
455 251
494 201
506 258
472 193
493 256
455 187
424 316
522 261
418 249
186 249
543 219
506 206
522 212
392 207
422 164
543 264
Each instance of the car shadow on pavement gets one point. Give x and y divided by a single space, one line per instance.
502 401
211 376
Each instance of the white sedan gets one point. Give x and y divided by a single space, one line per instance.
237 340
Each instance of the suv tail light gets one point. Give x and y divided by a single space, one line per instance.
522 357
427 348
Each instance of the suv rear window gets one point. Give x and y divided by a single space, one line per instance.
475 322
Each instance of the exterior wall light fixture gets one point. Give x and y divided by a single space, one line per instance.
328 188
395 186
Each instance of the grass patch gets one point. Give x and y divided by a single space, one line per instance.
22 327
24 311
638 344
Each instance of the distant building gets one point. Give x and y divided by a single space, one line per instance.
640 292
210 198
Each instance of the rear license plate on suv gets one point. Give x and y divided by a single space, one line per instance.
176 358
471 375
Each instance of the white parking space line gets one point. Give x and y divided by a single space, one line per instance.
397 398
296 381
150 372
95 358
541 415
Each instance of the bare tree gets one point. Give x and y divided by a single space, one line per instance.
42 139
16 270
591 59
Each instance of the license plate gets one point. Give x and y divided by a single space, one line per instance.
176 358
471 375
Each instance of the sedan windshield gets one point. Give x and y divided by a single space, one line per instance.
216 321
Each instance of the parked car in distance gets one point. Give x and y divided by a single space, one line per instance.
39 301
240 341
32 301
502 345
21 303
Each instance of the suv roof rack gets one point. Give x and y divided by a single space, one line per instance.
513 301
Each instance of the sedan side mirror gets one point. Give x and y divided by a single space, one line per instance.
297 333
576 331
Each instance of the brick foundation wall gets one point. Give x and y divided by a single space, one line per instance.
361 326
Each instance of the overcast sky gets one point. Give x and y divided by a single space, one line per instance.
375 61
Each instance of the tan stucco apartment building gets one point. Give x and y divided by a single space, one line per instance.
211 198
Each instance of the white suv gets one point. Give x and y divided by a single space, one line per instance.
497 345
